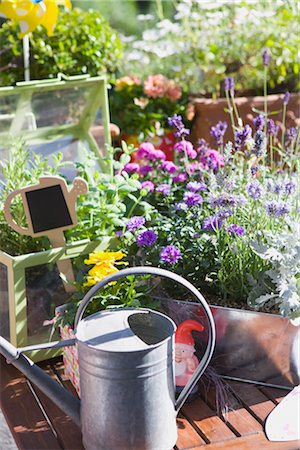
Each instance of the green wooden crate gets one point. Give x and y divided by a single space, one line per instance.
31 289
54 115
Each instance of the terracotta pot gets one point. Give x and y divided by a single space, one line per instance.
208 112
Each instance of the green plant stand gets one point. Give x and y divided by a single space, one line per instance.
19 296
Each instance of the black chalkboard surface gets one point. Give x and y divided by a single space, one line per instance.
48 208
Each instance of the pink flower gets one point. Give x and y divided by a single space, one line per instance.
148 185
181 177
124 82
158 154
174 91
131 167
169 166
145 149
186 146
156 86
192 167
211 159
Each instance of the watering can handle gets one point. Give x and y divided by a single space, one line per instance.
174 277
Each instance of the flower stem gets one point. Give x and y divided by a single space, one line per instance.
230 111
265 98
283 125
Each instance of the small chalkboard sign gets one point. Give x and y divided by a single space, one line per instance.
50 208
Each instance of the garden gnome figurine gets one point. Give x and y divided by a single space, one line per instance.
185 360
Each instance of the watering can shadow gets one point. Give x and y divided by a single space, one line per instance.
126 366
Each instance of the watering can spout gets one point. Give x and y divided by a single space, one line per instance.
61 397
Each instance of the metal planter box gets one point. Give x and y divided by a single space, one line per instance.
31 289
251 346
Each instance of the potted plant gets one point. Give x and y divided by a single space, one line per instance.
141 109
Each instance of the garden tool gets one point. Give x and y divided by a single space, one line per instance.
126 367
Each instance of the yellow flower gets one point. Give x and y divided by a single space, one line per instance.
102 257
98 272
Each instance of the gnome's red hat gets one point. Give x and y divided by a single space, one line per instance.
183 333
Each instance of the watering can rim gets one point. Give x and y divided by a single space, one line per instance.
126 322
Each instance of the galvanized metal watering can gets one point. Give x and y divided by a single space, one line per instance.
126 373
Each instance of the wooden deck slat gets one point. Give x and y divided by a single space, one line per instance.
253 399
253 442
236 415
187 435
27 423
203 417
68 433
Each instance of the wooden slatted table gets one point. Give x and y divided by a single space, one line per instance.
38 424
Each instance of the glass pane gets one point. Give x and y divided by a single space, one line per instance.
4 303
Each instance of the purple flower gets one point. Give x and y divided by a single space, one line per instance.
276 209
242 136
135 222
144 170
224 213
181 206
145 149
236 229
254 170
164 189
259 148
290 136
272 128
157 154
259 122
195 186
132 167
212 160
169 166
170 254
180 178
266 57
177 123
212 223
148 185
289 187
218 131
186 147
118 233
202 145
224 200
278 187
254 189
228 84
192 199
146 238
286 98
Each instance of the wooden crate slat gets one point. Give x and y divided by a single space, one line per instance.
253 399
236 415
26 421
203 417
274 394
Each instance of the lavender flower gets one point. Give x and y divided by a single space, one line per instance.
254 189
170 254
259 148
148 185
180 206
192 199
254 170
218 131
286 98
212 223
236 229
290 136
259 122
224 200
164 189
276 209
202 146
195 186
229 84
177 123
289 187
186 147
224 213
266 57
272 128
146 238
135 222
278 187
242 136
